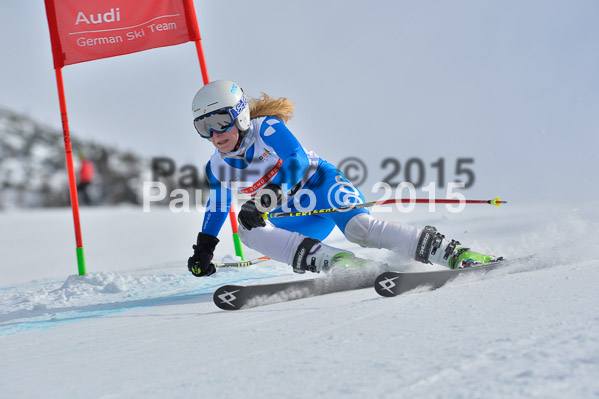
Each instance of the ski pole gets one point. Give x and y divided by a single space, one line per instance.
494 201
243 263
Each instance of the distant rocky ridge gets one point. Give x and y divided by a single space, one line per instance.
33 168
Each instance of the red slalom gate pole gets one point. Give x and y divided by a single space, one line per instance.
206 79
71 172
202 60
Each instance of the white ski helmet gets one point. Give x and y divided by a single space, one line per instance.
218 105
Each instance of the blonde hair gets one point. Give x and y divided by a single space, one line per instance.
280 108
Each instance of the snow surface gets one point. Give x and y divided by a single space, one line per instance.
138 325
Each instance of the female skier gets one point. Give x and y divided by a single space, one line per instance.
257 155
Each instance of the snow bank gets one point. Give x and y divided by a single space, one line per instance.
139 325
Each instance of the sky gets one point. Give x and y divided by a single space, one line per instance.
503 94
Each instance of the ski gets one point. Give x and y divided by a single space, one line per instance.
235 297
393 283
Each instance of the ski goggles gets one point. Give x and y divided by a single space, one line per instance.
219 121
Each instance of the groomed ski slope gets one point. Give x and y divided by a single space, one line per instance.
138 325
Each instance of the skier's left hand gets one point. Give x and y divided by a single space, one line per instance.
268 198
200 264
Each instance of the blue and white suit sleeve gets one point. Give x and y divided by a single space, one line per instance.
288 148
217 208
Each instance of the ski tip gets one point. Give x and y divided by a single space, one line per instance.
225 297
385 284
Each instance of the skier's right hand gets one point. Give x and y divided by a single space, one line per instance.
251 214
200 264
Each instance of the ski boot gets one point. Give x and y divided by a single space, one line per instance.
314 256
434 248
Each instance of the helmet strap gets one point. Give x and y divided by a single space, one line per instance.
241 135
